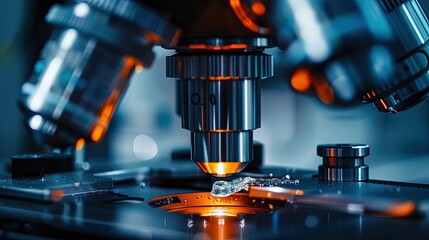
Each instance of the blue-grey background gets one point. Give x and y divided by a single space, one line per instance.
146 125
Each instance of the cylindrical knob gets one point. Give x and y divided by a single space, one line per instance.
343 162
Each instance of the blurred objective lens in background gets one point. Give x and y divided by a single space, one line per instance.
339 50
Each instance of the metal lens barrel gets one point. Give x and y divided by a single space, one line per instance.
84 67
220 105
409 85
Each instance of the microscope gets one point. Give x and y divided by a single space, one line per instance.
342 52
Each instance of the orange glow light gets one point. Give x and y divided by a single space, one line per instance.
383 103
258 8
97 132
56 195
202 46
301 80
205 204
219 213
129 65
80 143
223 131
221 169
107 110
323 90
402 209
240 12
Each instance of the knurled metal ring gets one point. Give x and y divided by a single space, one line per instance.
343 150
214 66
141 15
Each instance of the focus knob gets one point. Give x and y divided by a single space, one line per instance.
343 162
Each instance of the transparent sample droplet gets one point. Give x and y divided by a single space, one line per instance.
225 188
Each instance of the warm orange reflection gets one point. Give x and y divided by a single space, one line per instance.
56 195
402 209
97 132
243 16
223 131
223 218
221 169
202 46
220 78
383 104
80 143
323 90
206 205
128 67
109 106
301 80
104 116
258 8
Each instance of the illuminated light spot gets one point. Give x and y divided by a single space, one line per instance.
108 108
237 46
56 195
221 169
145 147
68 39
402 209
221 78
139 68
223 131
258 8
129 65
81 10
80 144
355 208
311 30
232 46
383 104
299 192
242 223
155 38
35 122
301 80
197 46
38 99
97 132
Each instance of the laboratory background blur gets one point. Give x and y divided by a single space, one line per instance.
146 125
